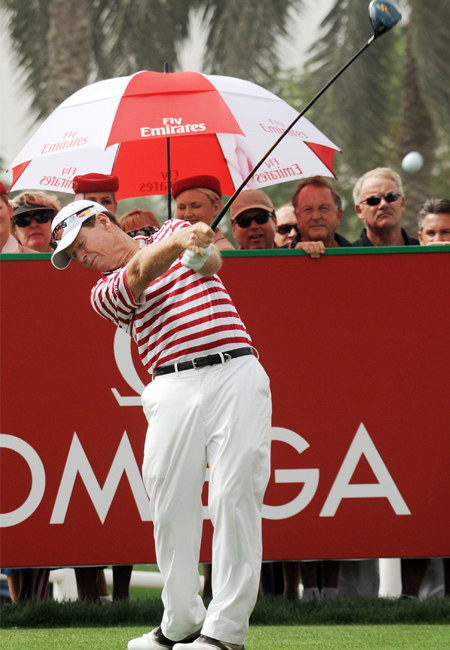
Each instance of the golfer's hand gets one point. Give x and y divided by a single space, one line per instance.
193 261
313 248
195 238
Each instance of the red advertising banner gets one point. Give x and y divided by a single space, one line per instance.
356 347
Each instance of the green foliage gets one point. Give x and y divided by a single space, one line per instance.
28 23
133 35
242 36
360 110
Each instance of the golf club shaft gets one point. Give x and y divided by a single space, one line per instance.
217 219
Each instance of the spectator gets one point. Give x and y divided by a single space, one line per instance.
287 228
318 208
32 222
101 188
434 222
8 243
380 203
139 222
254 221
199 198
91 581
434 228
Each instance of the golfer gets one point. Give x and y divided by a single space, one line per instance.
209 403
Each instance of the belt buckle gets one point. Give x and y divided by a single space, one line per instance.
201 362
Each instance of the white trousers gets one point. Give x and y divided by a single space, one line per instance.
219 415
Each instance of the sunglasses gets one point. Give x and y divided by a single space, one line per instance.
286 228
389 197
260 219
145 231
40 216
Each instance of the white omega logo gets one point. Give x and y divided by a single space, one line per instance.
310 478
124 361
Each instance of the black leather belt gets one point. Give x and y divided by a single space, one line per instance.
202 362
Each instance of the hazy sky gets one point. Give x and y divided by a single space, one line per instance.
16 124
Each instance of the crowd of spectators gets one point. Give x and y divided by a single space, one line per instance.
310 222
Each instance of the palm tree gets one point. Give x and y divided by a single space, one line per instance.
62 45
375 120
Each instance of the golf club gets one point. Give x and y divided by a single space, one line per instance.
383 17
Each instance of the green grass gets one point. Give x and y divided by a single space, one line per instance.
331 637
268 611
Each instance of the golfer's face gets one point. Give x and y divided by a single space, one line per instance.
94 248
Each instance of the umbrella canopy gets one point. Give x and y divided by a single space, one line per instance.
216 125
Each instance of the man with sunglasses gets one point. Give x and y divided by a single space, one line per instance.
209 402
254 221
287 227
379 202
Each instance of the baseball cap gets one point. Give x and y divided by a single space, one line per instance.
95 183
66 226
249 200
203 180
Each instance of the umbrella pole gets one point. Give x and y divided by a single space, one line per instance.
169 185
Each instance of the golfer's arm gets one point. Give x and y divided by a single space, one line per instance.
151 262
212 265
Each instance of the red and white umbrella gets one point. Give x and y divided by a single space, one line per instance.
217 125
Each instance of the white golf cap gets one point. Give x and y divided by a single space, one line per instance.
66 226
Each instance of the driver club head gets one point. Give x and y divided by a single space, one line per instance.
383 16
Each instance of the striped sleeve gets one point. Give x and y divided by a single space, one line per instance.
112 298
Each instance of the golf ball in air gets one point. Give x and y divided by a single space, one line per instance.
412 162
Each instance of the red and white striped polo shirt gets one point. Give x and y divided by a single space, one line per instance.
181 315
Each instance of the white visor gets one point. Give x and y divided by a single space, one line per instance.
66 226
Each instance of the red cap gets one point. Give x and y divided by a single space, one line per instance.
95 183
204 181
2 189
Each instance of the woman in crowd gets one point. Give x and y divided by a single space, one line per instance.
199 198
139 222
32 224
8 243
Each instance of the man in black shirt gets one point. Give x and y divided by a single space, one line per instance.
380 203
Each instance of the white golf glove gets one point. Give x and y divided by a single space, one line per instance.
192 261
